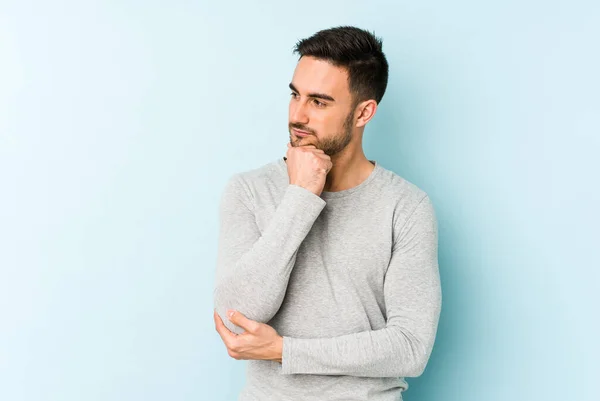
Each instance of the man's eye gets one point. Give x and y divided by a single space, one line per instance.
319 104
293 94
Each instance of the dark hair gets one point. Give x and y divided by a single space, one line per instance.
355 49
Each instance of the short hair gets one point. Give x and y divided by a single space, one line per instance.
358 51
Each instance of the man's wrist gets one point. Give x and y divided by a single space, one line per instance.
278 350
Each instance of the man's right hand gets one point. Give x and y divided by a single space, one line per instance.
308 167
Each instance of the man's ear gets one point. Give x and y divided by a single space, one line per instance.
365 112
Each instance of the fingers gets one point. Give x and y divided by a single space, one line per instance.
322 155
325 160
232 342
316 151
310 147
304 147
242 321
226 335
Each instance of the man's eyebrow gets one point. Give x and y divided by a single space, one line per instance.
315 95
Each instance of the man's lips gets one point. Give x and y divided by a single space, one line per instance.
300 133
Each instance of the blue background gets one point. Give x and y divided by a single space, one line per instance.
120 122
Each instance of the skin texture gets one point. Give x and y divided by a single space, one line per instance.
336 129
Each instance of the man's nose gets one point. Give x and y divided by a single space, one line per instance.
299 115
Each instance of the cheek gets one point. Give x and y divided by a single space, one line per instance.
331 124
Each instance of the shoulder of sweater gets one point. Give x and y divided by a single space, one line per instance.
395 187
404 195
258 177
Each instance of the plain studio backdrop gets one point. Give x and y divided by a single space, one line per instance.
120 122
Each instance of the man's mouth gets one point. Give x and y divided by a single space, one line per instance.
300 133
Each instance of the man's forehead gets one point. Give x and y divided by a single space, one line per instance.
314 75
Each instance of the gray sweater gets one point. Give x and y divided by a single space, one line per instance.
349 279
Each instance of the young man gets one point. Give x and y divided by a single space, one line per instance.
328 259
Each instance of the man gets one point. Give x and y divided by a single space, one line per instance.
328 259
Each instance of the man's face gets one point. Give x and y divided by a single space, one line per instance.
320 105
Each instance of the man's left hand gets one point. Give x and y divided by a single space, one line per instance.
259 341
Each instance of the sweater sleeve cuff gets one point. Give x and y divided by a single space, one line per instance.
287 359
302 197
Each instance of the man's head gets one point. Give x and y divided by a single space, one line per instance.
339 80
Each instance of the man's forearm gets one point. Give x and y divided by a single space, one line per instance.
253 268
389 352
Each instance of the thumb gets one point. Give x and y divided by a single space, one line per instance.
242 321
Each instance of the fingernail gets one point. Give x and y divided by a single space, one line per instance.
230 312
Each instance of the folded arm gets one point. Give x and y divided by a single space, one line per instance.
253 268
413 304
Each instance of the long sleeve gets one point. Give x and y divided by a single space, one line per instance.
253 268
413 299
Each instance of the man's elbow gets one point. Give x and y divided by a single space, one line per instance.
258 302
418 359
224 300
417 368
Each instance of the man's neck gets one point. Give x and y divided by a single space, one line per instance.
348 171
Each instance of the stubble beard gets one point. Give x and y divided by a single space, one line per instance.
332 145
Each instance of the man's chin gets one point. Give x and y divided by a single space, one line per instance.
298 139
303 142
